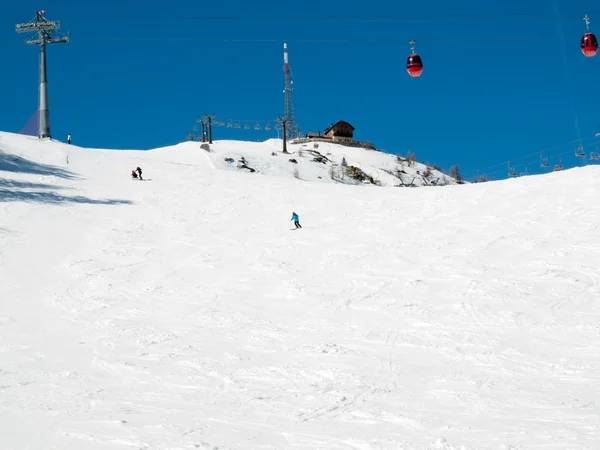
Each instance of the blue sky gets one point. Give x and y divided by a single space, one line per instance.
501 81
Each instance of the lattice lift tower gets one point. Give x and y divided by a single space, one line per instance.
42 29
290 112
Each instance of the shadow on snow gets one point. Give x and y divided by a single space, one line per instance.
12 184
13 191
17 164
9 195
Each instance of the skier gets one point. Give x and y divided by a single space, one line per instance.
139 171
296 220
69 139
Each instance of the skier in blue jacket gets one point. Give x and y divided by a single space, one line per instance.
296 220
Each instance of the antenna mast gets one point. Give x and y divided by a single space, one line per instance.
290 113
41 30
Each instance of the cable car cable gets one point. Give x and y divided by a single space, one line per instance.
299 41
442 18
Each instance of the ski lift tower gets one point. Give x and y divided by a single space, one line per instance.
289 112
42 33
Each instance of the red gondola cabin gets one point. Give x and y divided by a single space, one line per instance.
414 65
589 44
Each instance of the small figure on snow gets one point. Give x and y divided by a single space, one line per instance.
139 171
296 220
133 174
69 139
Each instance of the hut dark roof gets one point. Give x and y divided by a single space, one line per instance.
341 122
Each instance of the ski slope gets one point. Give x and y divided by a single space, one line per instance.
181 312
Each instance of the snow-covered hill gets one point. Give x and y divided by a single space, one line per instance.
182 313
324 162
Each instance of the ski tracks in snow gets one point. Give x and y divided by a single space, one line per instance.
459 318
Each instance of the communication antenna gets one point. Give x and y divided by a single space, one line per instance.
291 130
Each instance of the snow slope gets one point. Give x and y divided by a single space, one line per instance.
181 312
267 158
